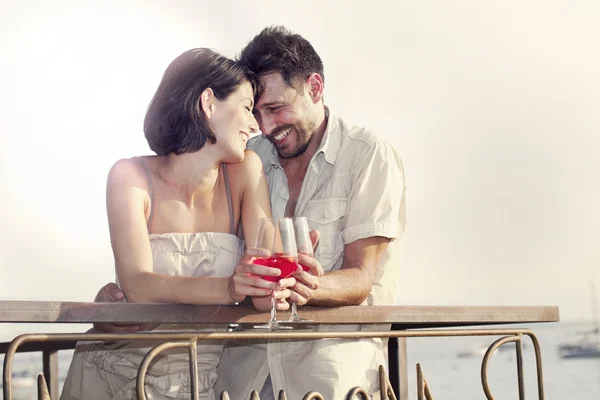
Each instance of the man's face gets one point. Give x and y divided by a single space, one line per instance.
286 115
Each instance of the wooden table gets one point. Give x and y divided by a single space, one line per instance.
401 318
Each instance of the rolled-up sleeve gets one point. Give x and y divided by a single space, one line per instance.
376 203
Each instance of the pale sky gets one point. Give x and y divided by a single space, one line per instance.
493 107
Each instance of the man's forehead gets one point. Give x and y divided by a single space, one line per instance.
274 88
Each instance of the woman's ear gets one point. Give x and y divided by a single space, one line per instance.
207 102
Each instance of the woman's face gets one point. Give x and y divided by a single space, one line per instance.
233 123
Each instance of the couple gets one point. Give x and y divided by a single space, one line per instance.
176 224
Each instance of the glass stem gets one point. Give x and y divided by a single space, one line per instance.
273 320
294 311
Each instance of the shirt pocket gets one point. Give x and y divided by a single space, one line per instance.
327 216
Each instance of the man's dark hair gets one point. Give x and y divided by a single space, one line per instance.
175 122
277 49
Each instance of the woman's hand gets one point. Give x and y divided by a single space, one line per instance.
281 294
246 279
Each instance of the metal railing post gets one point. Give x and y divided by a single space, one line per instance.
50 365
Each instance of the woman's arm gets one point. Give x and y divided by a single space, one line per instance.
127 201
255 206
255 196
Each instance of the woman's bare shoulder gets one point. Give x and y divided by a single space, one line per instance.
128 172
250 167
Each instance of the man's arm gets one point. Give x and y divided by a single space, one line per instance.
351 284
375 215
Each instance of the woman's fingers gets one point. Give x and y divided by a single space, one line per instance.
281 294
255 269
255 281
286 282
282 305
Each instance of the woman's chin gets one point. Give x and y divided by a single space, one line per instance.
235 158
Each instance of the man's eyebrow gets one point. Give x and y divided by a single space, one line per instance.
272 103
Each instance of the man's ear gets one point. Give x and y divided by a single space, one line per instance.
315 87
207 100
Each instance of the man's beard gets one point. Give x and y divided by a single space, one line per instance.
304 135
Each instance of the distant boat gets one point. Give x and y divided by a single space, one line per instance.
587 346
588 343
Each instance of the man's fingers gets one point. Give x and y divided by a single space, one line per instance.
297 298
314 238
302 290
311 264
308 279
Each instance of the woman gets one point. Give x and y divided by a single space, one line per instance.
173 221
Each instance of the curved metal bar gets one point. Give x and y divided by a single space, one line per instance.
422 387
420 383
19 340
520 377
382 383
194 369
292 335
358 391
428 395
538 362
8 361
141 377
254 395
385 387
43 393
282 395
486 359
224 396
313 396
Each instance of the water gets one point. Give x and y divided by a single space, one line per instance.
450 377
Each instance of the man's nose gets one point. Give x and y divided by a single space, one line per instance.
267 125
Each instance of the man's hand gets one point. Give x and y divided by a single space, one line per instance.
307 280
111 293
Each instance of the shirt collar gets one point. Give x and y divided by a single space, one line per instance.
332 139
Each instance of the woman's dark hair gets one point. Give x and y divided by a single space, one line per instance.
175 122
277 49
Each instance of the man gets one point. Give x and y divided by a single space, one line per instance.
349 184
